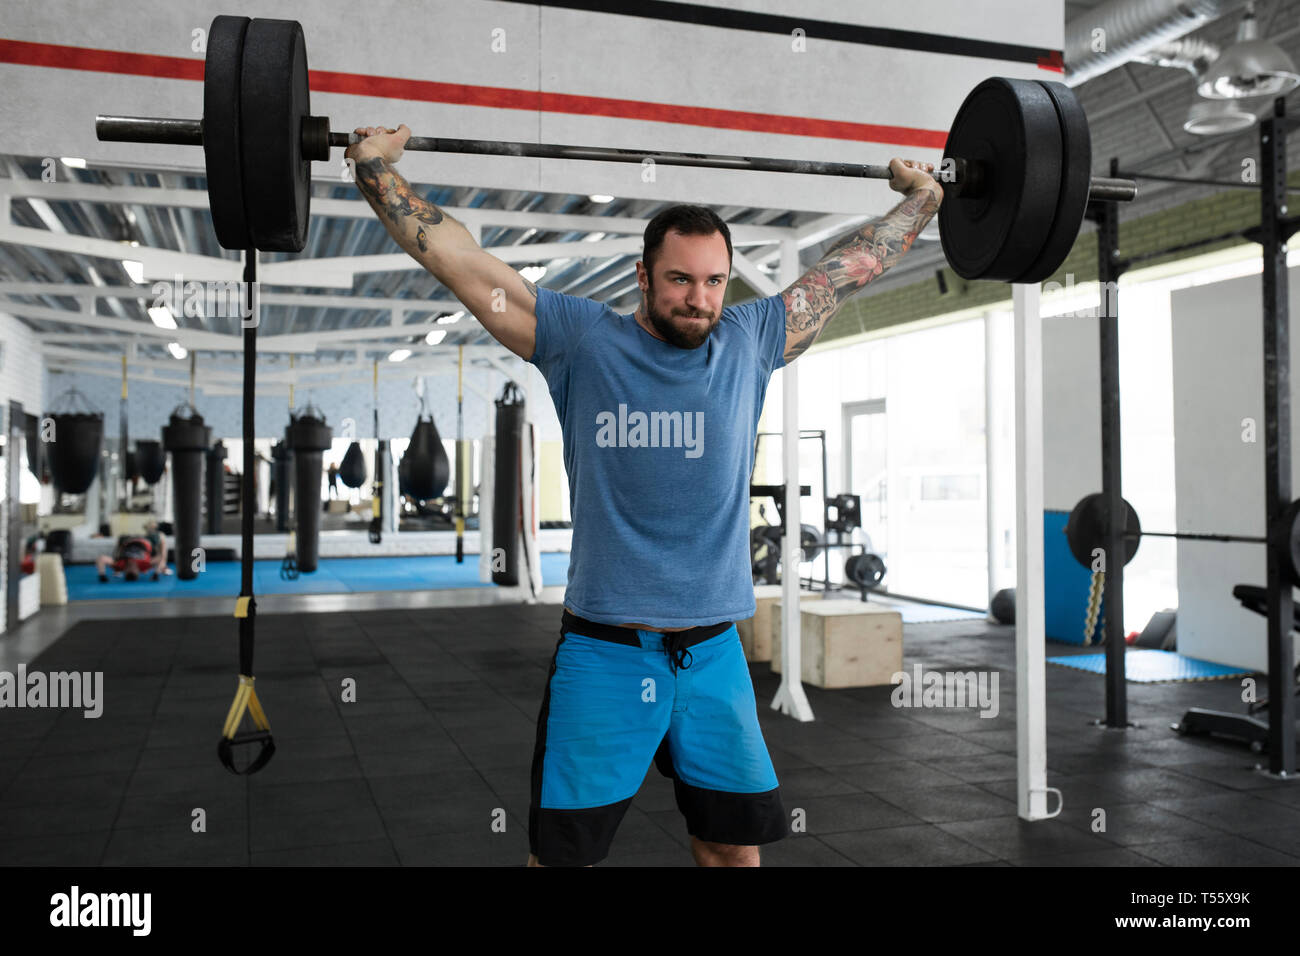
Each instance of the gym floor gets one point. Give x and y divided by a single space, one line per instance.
440 738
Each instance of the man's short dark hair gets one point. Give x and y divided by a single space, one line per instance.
689 221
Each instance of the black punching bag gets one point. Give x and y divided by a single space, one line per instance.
187 438
216 485
151 458
506 484
309 436
282 475
352 470
74 452
427 467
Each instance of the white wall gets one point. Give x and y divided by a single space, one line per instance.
1218 382
21 380
513 71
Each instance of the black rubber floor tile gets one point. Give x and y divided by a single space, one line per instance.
357 823
170 758
366 853
294 769
491 754
894 775
43 766
1011 838
177 846
1115 856
1151 784
925 746
484 848
801 850
77 850
980 768
918 845
1226 850
219 809
93 790
1134 824
39 821
804 782
948 804
784 760
467 811
1237 774
376 708
856 811
426 789
1000 741
428 760
314 797
1238 813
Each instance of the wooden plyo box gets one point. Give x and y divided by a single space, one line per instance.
756 632
845 643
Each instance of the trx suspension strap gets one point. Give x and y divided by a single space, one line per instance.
245 606
123 451
462 492
377 507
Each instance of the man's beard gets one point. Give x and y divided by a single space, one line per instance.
689 336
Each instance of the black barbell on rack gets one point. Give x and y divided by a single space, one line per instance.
1017 177
1086 530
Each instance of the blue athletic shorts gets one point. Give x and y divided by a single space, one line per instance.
619 698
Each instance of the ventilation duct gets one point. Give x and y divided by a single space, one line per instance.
1118 31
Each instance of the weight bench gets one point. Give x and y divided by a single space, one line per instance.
1251 730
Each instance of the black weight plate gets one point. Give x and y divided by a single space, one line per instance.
1076 178
221 71
274 102
1086 529
1010 127
1286 542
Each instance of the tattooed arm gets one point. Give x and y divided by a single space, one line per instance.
498 296
857 259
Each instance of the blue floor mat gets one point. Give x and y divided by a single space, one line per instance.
1151 666
332 576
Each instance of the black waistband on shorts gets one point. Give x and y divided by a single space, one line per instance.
626 635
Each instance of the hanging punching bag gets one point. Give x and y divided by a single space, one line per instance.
216 486
428 469
506 486
74 452
151 459
282 475
187 438
352 470
308 436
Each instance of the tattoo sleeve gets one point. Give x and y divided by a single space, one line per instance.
849 265
417 224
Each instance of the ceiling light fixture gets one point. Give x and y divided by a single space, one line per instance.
1250 67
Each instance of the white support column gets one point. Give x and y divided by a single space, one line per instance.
790 698
1031 698
995 441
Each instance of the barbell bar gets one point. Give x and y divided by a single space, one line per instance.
1016 174
316 145
1087 527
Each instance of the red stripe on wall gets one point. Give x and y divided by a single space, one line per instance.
427 91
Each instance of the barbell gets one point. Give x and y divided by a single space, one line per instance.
1016 174
1086 531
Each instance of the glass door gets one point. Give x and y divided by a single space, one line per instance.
866 467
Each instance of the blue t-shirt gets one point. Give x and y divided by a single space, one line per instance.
659 446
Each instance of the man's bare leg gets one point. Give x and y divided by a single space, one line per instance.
723 854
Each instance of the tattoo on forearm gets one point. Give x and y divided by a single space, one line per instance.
395 197
422 240
849 265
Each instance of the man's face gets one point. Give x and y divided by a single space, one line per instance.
683 299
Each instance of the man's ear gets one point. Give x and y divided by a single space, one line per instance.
642 277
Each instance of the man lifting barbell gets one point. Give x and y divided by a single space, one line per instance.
649 665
